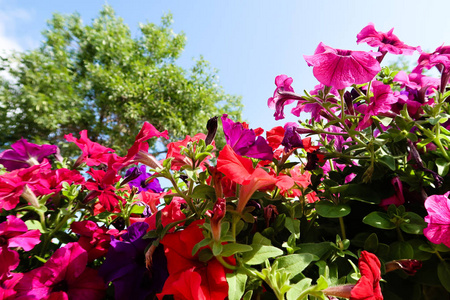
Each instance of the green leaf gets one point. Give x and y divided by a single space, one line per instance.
297 289
414 223
388 160
236 284
203 191
248 295
371 243
137 209
233 248
293 225
442 166
260 253
34 224
378 220
295 263
259 239
444 274
319 250
401 250
328 209
217 248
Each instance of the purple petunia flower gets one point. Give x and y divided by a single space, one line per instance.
282 96
140 176
125 265
243 142
24 154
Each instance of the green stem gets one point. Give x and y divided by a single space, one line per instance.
225 264
342 225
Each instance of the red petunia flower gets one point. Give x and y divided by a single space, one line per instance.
368 286
189 278
95 240
101 186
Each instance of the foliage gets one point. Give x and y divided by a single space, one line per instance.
100 78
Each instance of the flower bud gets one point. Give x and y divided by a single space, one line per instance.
218 214
410 266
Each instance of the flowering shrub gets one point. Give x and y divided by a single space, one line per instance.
351 203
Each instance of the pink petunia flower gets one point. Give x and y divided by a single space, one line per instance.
63 276
438 219
95 240
342 68
14 233
386 42
283 95
93 154
381 102
440 59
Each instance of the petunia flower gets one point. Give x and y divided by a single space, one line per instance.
174 150
396 199
440 59
14 233
342 68
101 186
244 141
24 154
367 287
386 42
141 180
190 278
125 265
381 102
93 154
282 96
94 239
63 276
438 219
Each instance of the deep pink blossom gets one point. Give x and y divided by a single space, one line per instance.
93 154
438 219
381 102
417 87
342 68
396 199
14 233
385 41
94 239
440 59
24 154
282 96
63 276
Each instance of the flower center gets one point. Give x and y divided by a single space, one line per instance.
3 241
61 286
341 52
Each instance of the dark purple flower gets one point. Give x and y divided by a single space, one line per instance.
140 176
243 142
125 265
291 138
24 154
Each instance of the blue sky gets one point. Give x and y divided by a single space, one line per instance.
249 42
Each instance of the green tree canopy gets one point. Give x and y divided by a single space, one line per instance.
98 77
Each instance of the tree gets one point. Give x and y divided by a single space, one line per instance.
98 77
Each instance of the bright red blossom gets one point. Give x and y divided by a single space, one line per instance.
189 278
368 286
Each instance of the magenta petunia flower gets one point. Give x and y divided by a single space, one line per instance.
24 154
14 233
63 276
283 95
342 68
438 219
386 42
102 186
93 154
440 59
244 141
381 102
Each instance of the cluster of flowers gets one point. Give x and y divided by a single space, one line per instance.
271 216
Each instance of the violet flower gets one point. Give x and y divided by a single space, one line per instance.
24 154
242 140
291 138
342 68
140 176
283 95
125 265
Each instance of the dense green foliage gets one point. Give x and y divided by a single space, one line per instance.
98 77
